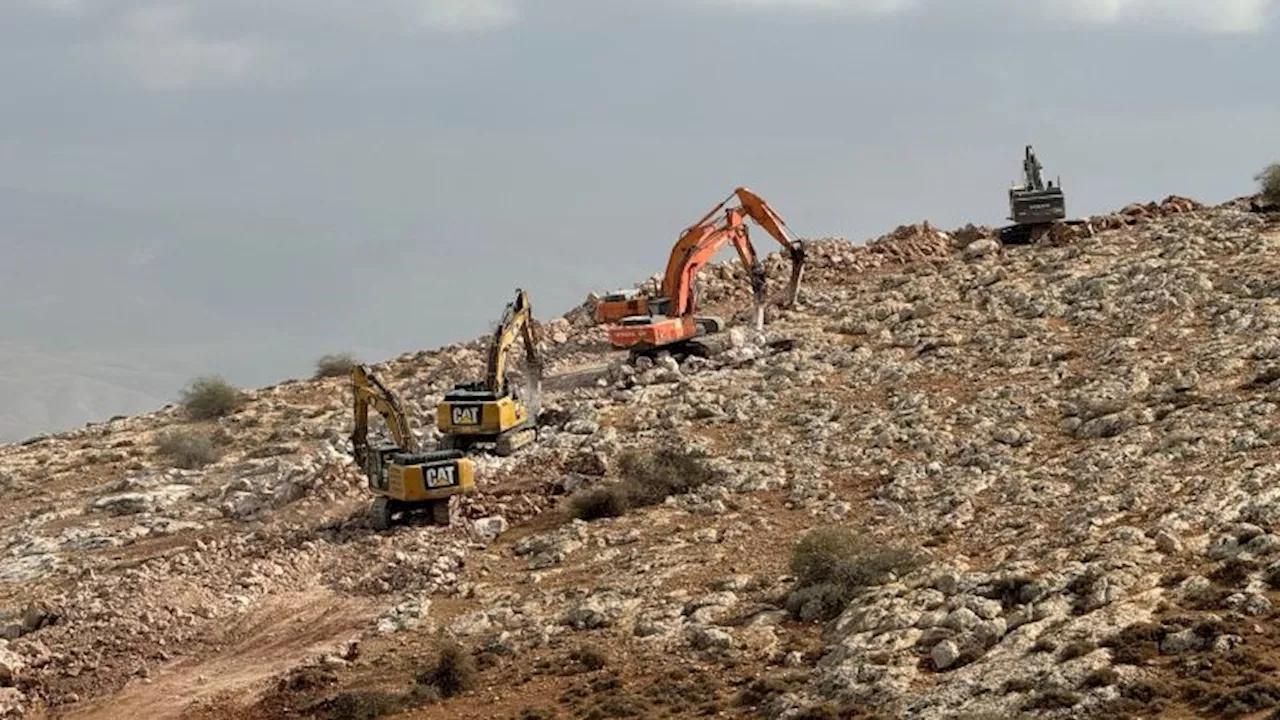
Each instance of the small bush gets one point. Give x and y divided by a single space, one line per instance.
648 478
599 502
189 450
1018 685
1233 573
1102 677
1053 699
334 365
454 672
366 705
764 690
1135 644
651 478
1269 183
589 657
834 711
210 396
1043 645
833 563
1080 648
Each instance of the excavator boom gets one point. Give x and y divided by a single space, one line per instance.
616 306
700 253
767 218
679 323
517 320
369 390
490 410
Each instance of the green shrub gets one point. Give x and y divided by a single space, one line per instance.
188 450
652 477
832 564
210 396
648 478
1269 183
334 365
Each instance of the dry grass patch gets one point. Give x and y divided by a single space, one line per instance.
189 449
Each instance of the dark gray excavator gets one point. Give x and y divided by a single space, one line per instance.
1033 206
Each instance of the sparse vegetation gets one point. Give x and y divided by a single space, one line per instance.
648 478
833 563
1018 685
1269 183
453 673
1080 648
837 711
651 477
599 502
368 705
210 396
189 449
1135 644
1272 576
589 657
1233 573
1102 677
334 365
1053 699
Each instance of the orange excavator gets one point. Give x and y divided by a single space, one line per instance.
645 325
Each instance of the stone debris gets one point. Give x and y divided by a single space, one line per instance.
1079 437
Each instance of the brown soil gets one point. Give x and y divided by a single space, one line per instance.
262 644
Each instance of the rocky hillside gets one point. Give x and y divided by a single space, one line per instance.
981 481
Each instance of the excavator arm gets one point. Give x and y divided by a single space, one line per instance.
767 218
369 390
700 253
693 239
700 242
517 320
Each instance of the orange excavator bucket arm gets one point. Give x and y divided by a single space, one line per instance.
697 238
700 251
754 207
772 222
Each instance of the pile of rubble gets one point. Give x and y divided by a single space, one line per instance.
1077 443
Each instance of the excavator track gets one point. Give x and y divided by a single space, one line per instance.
380 512
440 512
1024 234
514 441
1032 234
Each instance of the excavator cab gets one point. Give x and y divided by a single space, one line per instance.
1033 202
618 304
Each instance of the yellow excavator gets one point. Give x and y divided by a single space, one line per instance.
491 412
404 479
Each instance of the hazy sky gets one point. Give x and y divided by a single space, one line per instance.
382 174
